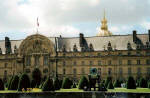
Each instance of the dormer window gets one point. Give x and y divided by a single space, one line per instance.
91 47
64 48
129 46
109 48
75 48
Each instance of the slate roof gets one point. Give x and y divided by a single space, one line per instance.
98 42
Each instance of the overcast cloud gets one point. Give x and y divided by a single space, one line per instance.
62 17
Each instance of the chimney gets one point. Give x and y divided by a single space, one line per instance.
81 40
149 35
134 36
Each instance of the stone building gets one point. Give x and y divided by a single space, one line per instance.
113 55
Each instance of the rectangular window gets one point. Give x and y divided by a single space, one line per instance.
129 62
45 60
64 71
82 63
74 71
83 72
120 62
99 62
138 62
91 63
37 63
139 71
120 71
109 71
28 61
129 71
99 71
74 63
64 63
148 61
109 62
148 71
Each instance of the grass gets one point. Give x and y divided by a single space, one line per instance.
138 90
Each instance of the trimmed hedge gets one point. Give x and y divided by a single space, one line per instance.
102 87
14 83
117 83
83 83
57 83
74 85
110 85
1 85
24 82
48 85
149 85
108 80
66 84
143 83
9 82
131 84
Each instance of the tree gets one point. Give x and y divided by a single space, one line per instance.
83 83
149 85
131 83
33 83
66 84
102 87
117 83
9 82
14 83
107 81
110 85
24 82
1 85
36 75
48 85
143 83
57 83
74 85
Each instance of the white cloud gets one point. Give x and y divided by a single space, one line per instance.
146 24
59 16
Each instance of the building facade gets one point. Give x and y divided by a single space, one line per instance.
117 56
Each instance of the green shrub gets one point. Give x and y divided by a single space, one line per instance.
110 85
1 85
9 82
24 82
57 83
83 82
14 83
74 85
107 81
41 85
66 84
48 85
143 83
131 83
102 87
117 83
149 85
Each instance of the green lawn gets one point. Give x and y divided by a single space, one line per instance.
138 90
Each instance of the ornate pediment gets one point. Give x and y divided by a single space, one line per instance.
36 44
